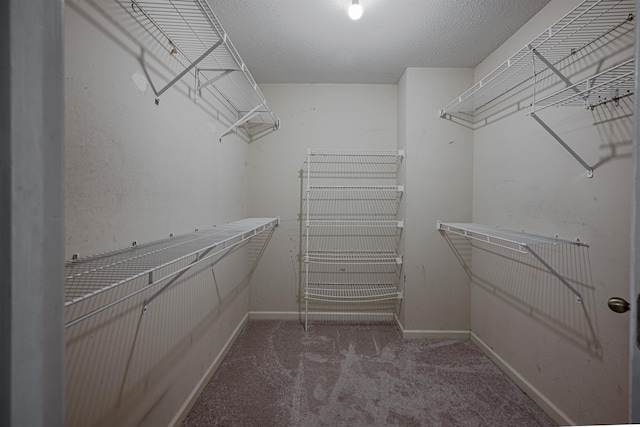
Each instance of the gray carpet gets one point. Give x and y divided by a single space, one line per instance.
357 375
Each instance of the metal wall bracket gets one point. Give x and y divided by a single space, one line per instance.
248 116
554 69
564 144
189 68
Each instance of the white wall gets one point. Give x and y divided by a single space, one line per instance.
438 177
574 355
140 171
312 116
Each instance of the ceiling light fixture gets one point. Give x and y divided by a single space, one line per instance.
355 10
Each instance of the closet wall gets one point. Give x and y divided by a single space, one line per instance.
320 116
574 355
136 171
438 175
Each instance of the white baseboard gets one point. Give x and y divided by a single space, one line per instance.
414 334
276 315
296 315
418 334
544 402
191 400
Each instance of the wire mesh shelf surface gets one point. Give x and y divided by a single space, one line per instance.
581 27
352 292
510 239
191 28
610 85
89 277
353 257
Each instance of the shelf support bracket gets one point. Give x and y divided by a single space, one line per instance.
223 73
254 111
189 68
555 273
173 280
564 144
554 69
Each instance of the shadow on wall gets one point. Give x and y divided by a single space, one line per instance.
523 283
122 363
614 122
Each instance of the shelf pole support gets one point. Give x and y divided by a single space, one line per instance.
564 144
554 272
215 79
246 117
554 69
189 68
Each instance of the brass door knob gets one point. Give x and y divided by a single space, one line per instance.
619 305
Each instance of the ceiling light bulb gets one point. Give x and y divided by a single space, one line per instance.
355 10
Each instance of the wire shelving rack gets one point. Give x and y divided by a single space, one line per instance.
192 29
352 228
512 240
99 282
581 27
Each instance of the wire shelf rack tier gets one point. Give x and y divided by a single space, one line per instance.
581 27
149 264
517 241
352 292
192 28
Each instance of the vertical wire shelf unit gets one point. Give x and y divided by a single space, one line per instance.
575 36
352 230
517 241
100 282
192 30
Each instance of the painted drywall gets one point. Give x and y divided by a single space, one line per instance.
575 355
137 171
364 116
438 174
319 116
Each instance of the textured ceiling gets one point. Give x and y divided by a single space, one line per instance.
314 41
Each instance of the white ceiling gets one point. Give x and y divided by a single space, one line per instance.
314 41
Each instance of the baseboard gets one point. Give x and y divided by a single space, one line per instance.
543 402
275 315
418 334
296 315
191 400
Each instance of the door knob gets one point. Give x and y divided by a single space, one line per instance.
619 305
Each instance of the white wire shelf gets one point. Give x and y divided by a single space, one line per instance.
93 276
353 257
513 240
352 292
192 29
377 223
357 188
581 27
610 85
356 152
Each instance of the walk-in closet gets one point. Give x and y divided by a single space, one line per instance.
320 212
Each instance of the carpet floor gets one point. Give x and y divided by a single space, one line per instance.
357 375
